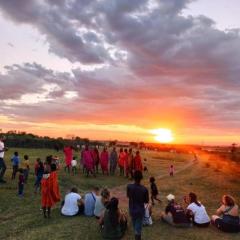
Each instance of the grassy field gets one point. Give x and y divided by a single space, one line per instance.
22 219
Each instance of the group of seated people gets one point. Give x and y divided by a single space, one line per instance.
113 221
226 218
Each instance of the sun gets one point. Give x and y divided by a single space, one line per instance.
163 135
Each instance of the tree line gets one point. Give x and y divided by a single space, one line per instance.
17 139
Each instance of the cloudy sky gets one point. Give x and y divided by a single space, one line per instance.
116 69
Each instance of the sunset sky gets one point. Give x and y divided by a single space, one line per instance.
120 69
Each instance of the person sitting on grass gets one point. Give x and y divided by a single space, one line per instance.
101 202
15 164
196 211
174 214
73 204
113 222
154 190
21 181
89 201
227 218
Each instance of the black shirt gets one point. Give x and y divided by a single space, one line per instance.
177 212
154 189
138 195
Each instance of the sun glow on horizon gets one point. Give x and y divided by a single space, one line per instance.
163 135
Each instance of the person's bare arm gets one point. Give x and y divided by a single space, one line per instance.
100 221
80 202
220 210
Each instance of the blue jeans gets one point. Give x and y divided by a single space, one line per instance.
137 225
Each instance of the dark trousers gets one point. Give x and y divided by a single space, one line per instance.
14 172
2 168
25 173
20 188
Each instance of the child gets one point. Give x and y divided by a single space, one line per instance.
39 170
26 168
56 160
74 166
20 183
147 219
171 170
15 163
154 190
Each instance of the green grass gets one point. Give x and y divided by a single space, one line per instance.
22 218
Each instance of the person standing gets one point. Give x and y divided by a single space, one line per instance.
96 159
138 196
39 170
126 163
138 162
121 162
171 171
113 161
21 181
130 163
104 161
26 167
2 162
15 164
68 153
88 162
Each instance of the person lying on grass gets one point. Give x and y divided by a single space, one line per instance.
227 216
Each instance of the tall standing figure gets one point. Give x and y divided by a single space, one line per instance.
96 158
113 161
2 162
88 161
49 187
121 159
104 161
68 153
138 162
138 196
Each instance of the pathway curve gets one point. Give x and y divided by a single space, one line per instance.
120 191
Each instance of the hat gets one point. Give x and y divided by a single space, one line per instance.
170 197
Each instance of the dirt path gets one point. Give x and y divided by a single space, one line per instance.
120 191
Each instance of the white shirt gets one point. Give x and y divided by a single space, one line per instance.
70 207
1 148
74 163
147 219
200 214
99 207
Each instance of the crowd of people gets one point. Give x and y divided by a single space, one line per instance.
101 205
91 159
